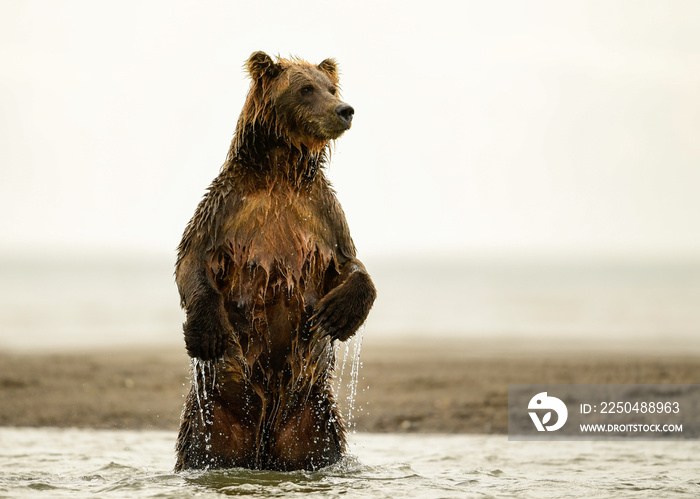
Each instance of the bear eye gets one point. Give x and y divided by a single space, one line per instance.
307 90
333 90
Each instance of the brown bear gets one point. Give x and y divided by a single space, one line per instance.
268 278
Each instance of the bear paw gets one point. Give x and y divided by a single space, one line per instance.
340 314
205 342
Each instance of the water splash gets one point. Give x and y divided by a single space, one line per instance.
201 370
350 353
196 363
355 376
342 368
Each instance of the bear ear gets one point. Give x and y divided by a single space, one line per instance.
330 67
259 64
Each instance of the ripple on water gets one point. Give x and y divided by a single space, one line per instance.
340 478
138 464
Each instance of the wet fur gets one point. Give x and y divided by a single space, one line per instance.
268 278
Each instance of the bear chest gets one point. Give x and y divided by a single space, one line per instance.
278 224
281 234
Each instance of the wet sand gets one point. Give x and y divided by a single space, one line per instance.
444 385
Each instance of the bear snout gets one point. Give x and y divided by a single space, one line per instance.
345 112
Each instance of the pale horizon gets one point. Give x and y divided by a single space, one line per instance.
546 129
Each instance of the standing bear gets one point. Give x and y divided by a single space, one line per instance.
268 278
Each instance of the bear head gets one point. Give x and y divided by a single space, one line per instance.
298 101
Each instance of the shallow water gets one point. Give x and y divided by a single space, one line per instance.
89 463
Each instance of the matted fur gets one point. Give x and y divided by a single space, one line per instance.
268 277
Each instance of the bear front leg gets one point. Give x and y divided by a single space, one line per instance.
344 309
207 328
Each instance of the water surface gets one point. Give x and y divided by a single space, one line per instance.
102 463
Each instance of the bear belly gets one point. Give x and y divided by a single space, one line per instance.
269 308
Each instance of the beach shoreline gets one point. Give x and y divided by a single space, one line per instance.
438 386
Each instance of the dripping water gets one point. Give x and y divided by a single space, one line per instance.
354 376
348 389
201 370
342 367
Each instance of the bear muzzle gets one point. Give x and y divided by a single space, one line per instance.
345 112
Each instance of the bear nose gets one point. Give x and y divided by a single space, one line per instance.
345 112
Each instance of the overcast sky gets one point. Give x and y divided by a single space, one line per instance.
545 128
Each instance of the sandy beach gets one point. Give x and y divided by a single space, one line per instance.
444 385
